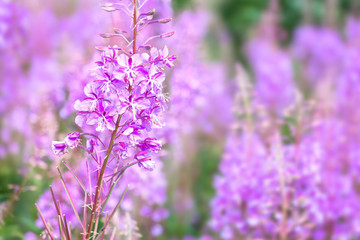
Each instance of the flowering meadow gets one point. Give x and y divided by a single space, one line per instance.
180 119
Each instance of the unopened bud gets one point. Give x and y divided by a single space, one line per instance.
101 48
106 35
152 12
164 20
109 7
117 30
147 47
166 35
115 48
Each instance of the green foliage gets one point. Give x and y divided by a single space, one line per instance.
180 5
287 130
199 172
239 17
291 15
203 190
22 213
11 232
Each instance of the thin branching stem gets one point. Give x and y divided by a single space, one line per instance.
100 179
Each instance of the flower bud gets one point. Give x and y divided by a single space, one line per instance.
152 12
164 20
91 144
101 48
146 47
59 148
106 35
109 7
166 35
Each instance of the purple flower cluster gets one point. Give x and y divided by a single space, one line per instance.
205 82
297 191
201 101
35 64
34 72
320 49
128 89
274 87
123 103
149 200
348 85
307 188
227 217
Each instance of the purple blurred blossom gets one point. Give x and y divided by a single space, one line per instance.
320 49
274 81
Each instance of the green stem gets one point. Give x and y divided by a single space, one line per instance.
135 26
284 204
100 180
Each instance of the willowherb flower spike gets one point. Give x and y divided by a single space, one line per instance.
123 102
126 86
